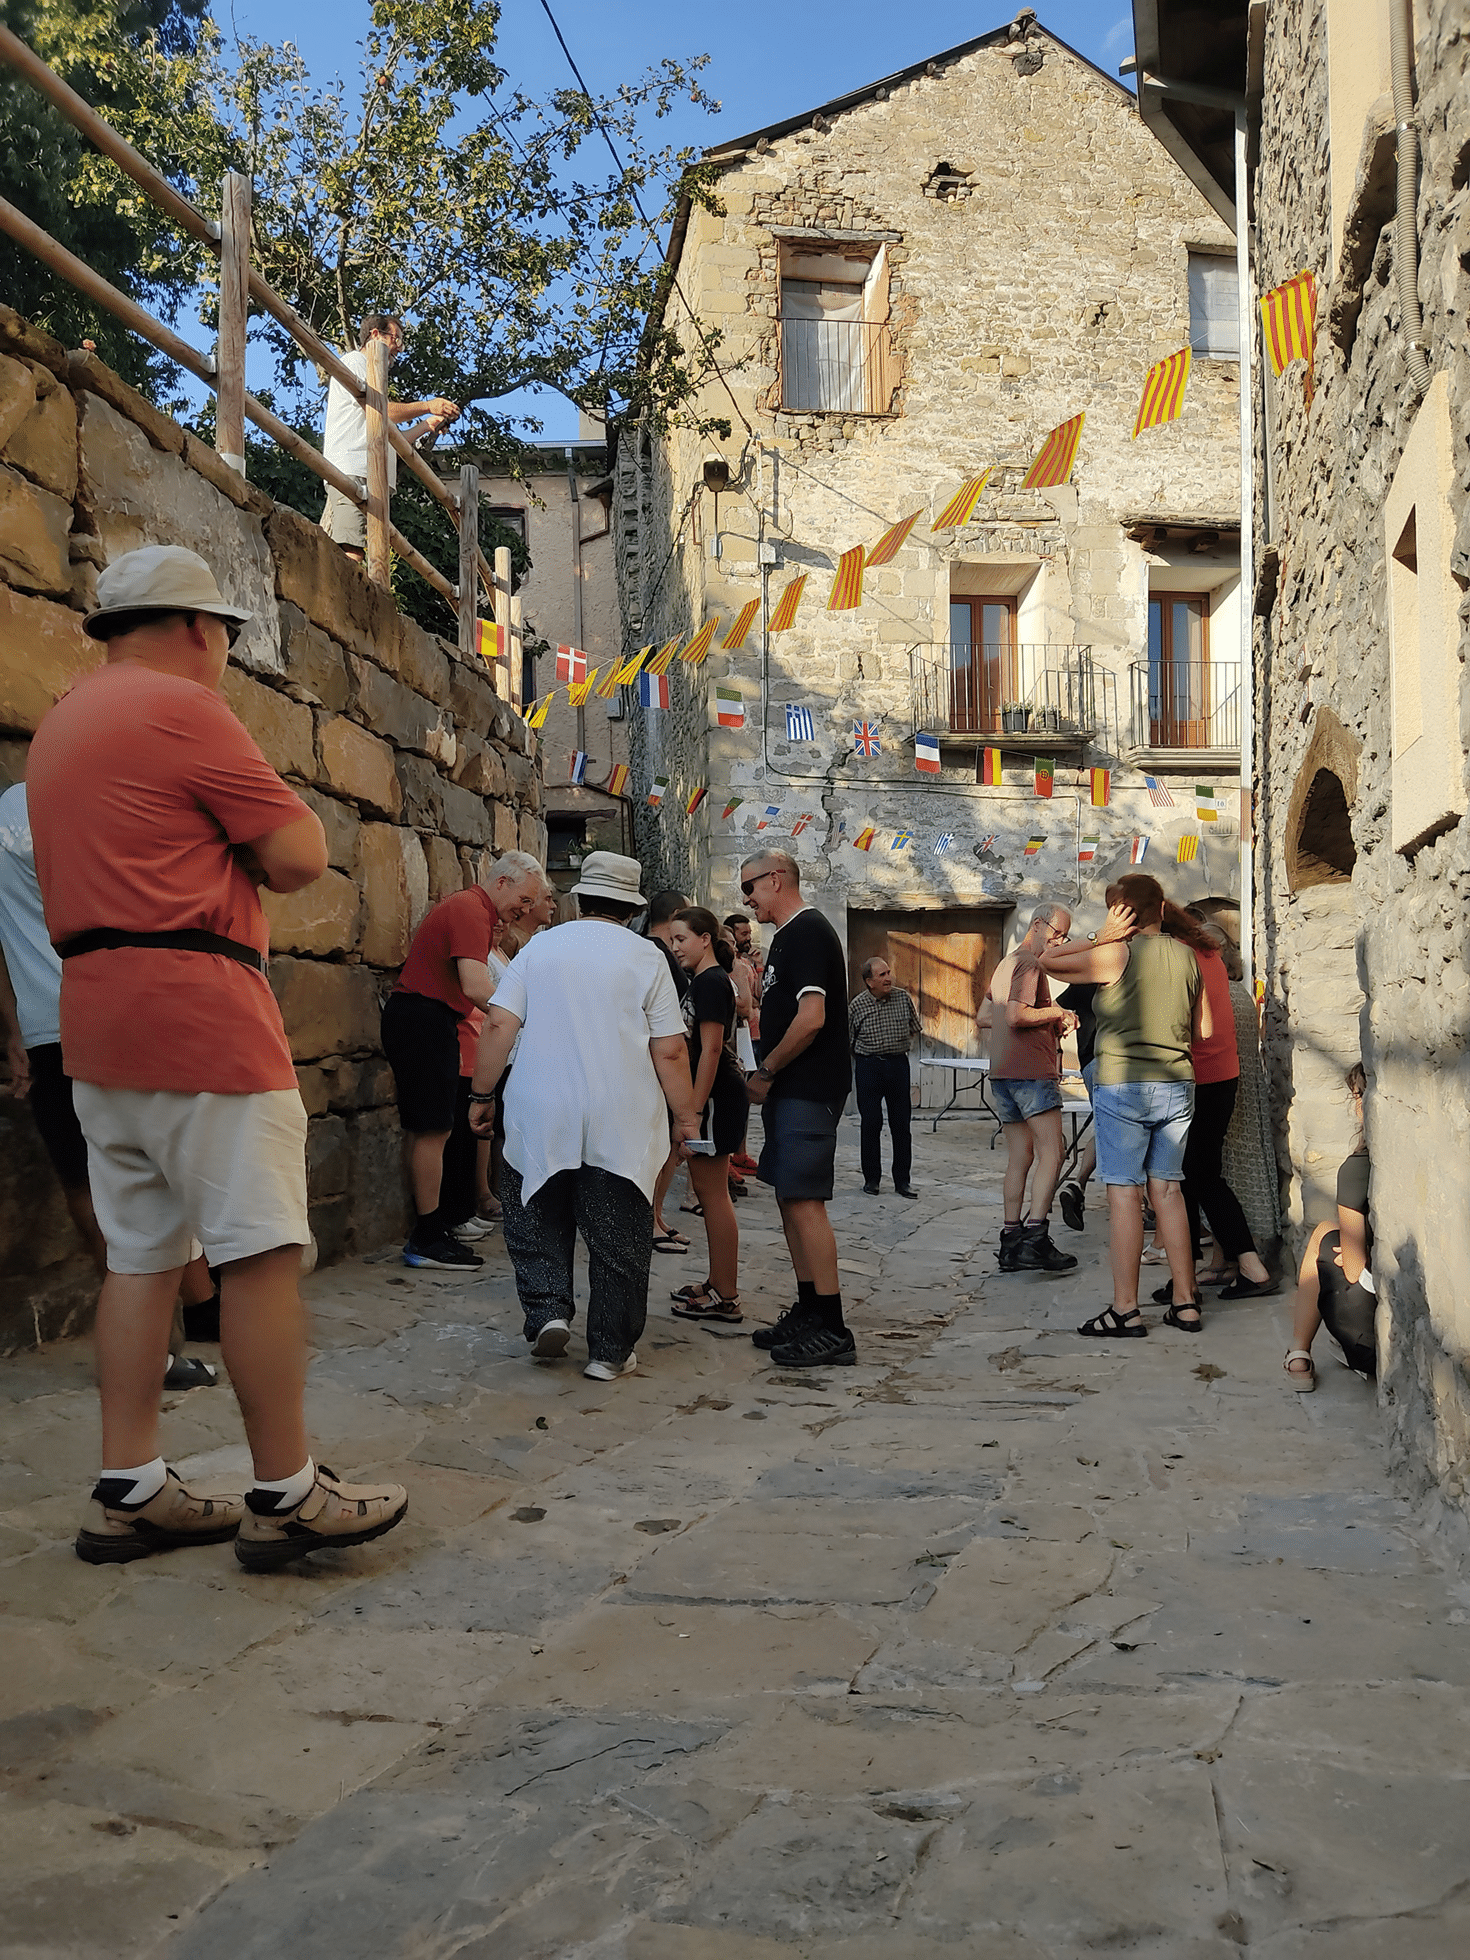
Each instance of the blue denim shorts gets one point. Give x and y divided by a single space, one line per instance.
1141 1130
1016 1098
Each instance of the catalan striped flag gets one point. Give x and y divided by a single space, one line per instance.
617 782
1102 788
578 695
537 717
739 626
699 646
990 768
1163 392
961 506
892 541
784 617
653 689
1138 850
659 664
1087 849
864 839
607 687
571 664
1033 845
1188 850
926 754
695 798
1054 460
628 672
847 587
729 707
1289 324
656 790
1046 770
489 640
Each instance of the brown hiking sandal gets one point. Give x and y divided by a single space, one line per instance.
331 1513
172 1518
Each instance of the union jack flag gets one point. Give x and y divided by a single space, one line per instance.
988 843
865 738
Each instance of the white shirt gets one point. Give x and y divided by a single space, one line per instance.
32 961
590 996
345 441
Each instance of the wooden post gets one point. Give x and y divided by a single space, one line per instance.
514 647
377 461
234 310
502 617
469 574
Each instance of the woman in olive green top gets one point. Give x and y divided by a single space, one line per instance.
1150 1008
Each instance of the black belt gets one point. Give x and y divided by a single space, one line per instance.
883 1054
104 937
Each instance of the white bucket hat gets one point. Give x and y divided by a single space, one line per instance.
606 875
162 577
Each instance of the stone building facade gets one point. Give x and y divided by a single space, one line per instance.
903 289
1362 527
415 766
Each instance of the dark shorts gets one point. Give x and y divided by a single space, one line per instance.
1347 1309
56 1116
800 1151
421 1042
724 1117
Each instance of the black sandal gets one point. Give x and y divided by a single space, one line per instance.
1172 1313
1110 1325
714 1306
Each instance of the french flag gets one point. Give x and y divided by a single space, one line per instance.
653 690
926 754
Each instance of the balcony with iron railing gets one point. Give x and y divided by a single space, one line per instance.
1006 696
837 367
1185 707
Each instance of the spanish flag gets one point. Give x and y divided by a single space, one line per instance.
847 586
990 773
617 782
1102 788
740 626
660 661
784 617
961 505
1054 459
698 647
489 640
628 672
1163 392
864 839
1289 324
892 541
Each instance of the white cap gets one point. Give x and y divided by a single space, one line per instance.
163 577
606 875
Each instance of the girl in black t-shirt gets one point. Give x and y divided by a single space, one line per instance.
719 1093
1336 1284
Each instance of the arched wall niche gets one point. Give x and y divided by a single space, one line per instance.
1319 829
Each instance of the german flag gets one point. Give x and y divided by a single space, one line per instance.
696 797
1163 392
784 617
1054 459
847 586
1102 788
699 646
740 626
1289 325
660 661
961 505
892 541
990 772
489 640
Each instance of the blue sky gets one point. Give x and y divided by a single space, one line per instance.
768 58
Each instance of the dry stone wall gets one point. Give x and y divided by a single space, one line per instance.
416 767
1378 966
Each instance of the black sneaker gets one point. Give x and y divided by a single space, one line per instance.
815 1346
444 1253
1037 1254
1072 1201
1010 1246
785 1328
185 1371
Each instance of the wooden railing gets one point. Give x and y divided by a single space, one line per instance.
224 372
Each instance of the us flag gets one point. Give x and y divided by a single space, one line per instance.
1157 794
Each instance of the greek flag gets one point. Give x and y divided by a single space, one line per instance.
943 844
799 724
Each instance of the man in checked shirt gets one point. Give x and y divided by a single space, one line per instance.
881 1024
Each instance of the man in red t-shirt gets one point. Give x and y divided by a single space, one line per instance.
155 818
446 981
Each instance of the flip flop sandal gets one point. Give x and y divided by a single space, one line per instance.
1172 1313
1251 1289
714 1308
1303 1384
695 1211
670 1242
1110 1325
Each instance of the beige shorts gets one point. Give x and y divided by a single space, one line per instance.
165 1168
345 522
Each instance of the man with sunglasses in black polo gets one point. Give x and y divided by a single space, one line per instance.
802 1084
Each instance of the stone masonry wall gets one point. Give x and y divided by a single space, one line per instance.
1392 945
415 766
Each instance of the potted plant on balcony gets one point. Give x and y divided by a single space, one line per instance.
1049 720
1015 717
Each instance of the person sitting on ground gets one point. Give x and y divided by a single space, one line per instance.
1150 1008
344 441
444 980
719 1096
603 1066
882 1026
1026 1088
658 925
1336 1283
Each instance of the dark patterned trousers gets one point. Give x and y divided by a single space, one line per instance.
616 1223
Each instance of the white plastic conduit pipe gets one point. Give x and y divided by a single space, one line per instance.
1406 229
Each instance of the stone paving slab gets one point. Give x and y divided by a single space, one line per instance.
1003 1642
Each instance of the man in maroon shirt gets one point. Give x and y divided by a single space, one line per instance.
445 979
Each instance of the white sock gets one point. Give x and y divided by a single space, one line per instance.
137 1485
289 1491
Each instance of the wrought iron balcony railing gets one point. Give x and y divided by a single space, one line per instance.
1030 691
1185 704
836 367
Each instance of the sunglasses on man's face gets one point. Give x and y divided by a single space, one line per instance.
748 885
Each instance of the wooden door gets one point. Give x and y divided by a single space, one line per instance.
982 663
944 959
1179 670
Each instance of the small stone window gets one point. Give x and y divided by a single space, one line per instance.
1214 308
947 184
1325 852
836 345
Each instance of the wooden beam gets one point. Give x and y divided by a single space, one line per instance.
376 407
234 311
469 545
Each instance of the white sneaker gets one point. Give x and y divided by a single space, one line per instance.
609 1371
551 1341
472 1229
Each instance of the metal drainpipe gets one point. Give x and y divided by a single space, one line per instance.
1246 312
576 585
1406 229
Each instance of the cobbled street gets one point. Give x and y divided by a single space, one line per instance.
1004 1643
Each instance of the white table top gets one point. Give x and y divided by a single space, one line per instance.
956 1062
